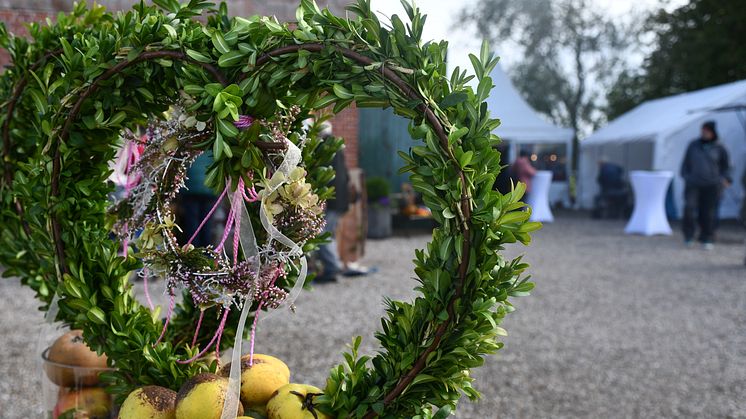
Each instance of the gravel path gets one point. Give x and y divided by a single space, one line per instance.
618 326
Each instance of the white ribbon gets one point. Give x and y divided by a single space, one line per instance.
233 393
293 156
251 249
54 308
49 318
290 161
48 330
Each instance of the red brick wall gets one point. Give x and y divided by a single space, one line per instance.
15 20
345 125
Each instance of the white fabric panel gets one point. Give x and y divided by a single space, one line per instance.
519 121
632 155
662 117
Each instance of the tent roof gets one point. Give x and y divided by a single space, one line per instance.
661 117
519 121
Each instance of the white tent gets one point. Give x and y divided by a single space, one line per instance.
522 127
655 135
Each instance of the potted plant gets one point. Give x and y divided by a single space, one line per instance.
379 208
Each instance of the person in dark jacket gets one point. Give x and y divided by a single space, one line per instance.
614 191
196 201
335 208
503 183
706 171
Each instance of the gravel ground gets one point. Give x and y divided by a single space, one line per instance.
618 326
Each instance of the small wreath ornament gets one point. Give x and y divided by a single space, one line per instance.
149 90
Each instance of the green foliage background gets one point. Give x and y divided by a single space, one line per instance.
377 188
697 45
566 52
463 282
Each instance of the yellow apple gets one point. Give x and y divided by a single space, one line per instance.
260 379
150 402
295 401
91 402
201 397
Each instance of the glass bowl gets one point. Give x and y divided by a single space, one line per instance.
70 376
73 392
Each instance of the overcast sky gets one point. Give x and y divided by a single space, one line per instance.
442 15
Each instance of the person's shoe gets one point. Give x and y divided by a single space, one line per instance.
355 269
708 246
324 279
689 243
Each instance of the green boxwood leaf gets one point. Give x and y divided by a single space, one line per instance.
198 56
219 43
96 315
341 92
231 59
227 128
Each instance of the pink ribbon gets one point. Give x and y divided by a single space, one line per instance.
232 225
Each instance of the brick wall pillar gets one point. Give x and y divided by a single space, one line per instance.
345 125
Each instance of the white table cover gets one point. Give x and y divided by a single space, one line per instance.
538 198
649 216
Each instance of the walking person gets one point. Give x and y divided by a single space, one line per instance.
336 207
524 171
706 171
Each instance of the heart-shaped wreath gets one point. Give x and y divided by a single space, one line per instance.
242 87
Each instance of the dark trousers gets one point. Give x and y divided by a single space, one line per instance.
193 208
612 203
700 207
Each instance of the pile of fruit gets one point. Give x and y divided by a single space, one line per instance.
266 392
72 366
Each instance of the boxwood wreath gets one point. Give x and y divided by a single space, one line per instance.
242 88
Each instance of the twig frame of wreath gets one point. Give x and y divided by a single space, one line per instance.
90 75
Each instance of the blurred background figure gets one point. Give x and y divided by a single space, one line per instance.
503 182
743 209
613 200
706 172
523 171
336 207
195 202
